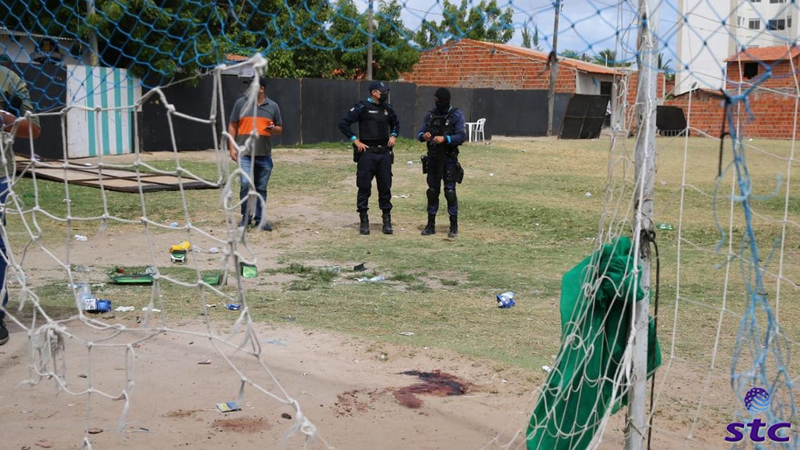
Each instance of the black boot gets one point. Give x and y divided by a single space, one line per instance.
430 228
387 223
364 222
453 227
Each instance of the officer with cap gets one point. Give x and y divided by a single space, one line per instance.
378 128
443 130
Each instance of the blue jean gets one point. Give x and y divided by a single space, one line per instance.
3 263
261 173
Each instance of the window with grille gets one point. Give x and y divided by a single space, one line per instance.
776 24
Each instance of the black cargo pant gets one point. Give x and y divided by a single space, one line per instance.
438 172
376 163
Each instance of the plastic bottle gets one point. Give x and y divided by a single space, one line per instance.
86 300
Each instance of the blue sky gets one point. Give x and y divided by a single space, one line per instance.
586 26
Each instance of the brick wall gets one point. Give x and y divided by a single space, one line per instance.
473 66
630 80
706 114
670 89
772 114
782 79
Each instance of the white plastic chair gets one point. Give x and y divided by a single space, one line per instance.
479 129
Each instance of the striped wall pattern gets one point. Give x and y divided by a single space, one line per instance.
109 132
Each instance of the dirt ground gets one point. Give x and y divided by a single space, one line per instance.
346 387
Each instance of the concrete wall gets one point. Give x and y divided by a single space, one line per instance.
589 84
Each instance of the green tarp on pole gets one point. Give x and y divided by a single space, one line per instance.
594 331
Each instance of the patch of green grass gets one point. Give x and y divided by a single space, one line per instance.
323 275
404 277
295 268
300 285
400 145
419 287
524 220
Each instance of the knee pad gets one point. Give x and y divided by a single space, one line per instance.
450 196
433 195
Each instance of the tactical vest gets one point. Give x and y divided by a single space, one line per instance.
373 124
442 125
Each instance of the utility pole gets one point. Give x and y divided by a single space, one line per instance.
636 429
551 94
369 42
95 56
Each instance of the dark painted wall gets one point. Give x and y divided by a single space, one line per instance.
196 101
324 103
48 93
189 135
312 108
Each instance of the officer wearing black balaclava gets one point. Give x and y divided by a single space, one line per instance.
378 128
443 130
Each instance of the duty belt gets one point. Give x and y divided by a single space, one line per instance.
378 148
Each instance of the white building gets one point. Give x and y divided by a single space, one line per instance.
27 48
709 31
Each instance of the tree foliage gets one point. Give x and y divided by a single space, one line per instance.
608 58
530 40
484 22
162 39
575 55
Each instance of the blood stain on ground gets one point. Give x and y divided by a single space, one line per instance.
434 383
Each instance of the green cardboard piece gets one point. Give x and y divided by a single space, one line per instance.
248 270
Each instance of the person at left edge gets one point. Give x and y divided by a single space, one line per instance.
14 103
257 155
378 129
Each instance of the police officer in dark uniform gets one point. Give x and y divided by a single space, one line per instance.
443 130
378 128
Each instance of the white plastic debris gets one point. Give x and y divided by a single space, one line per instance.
173 225
547 368
491 174
411 163
124 308
377 279
588 194
145 309
406 333
80 237
213 250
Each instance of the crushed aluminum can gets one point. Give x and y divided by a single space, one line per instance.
505 300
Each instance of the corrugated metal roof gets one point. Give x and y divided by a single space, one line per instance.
23 34
776 53
583 66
